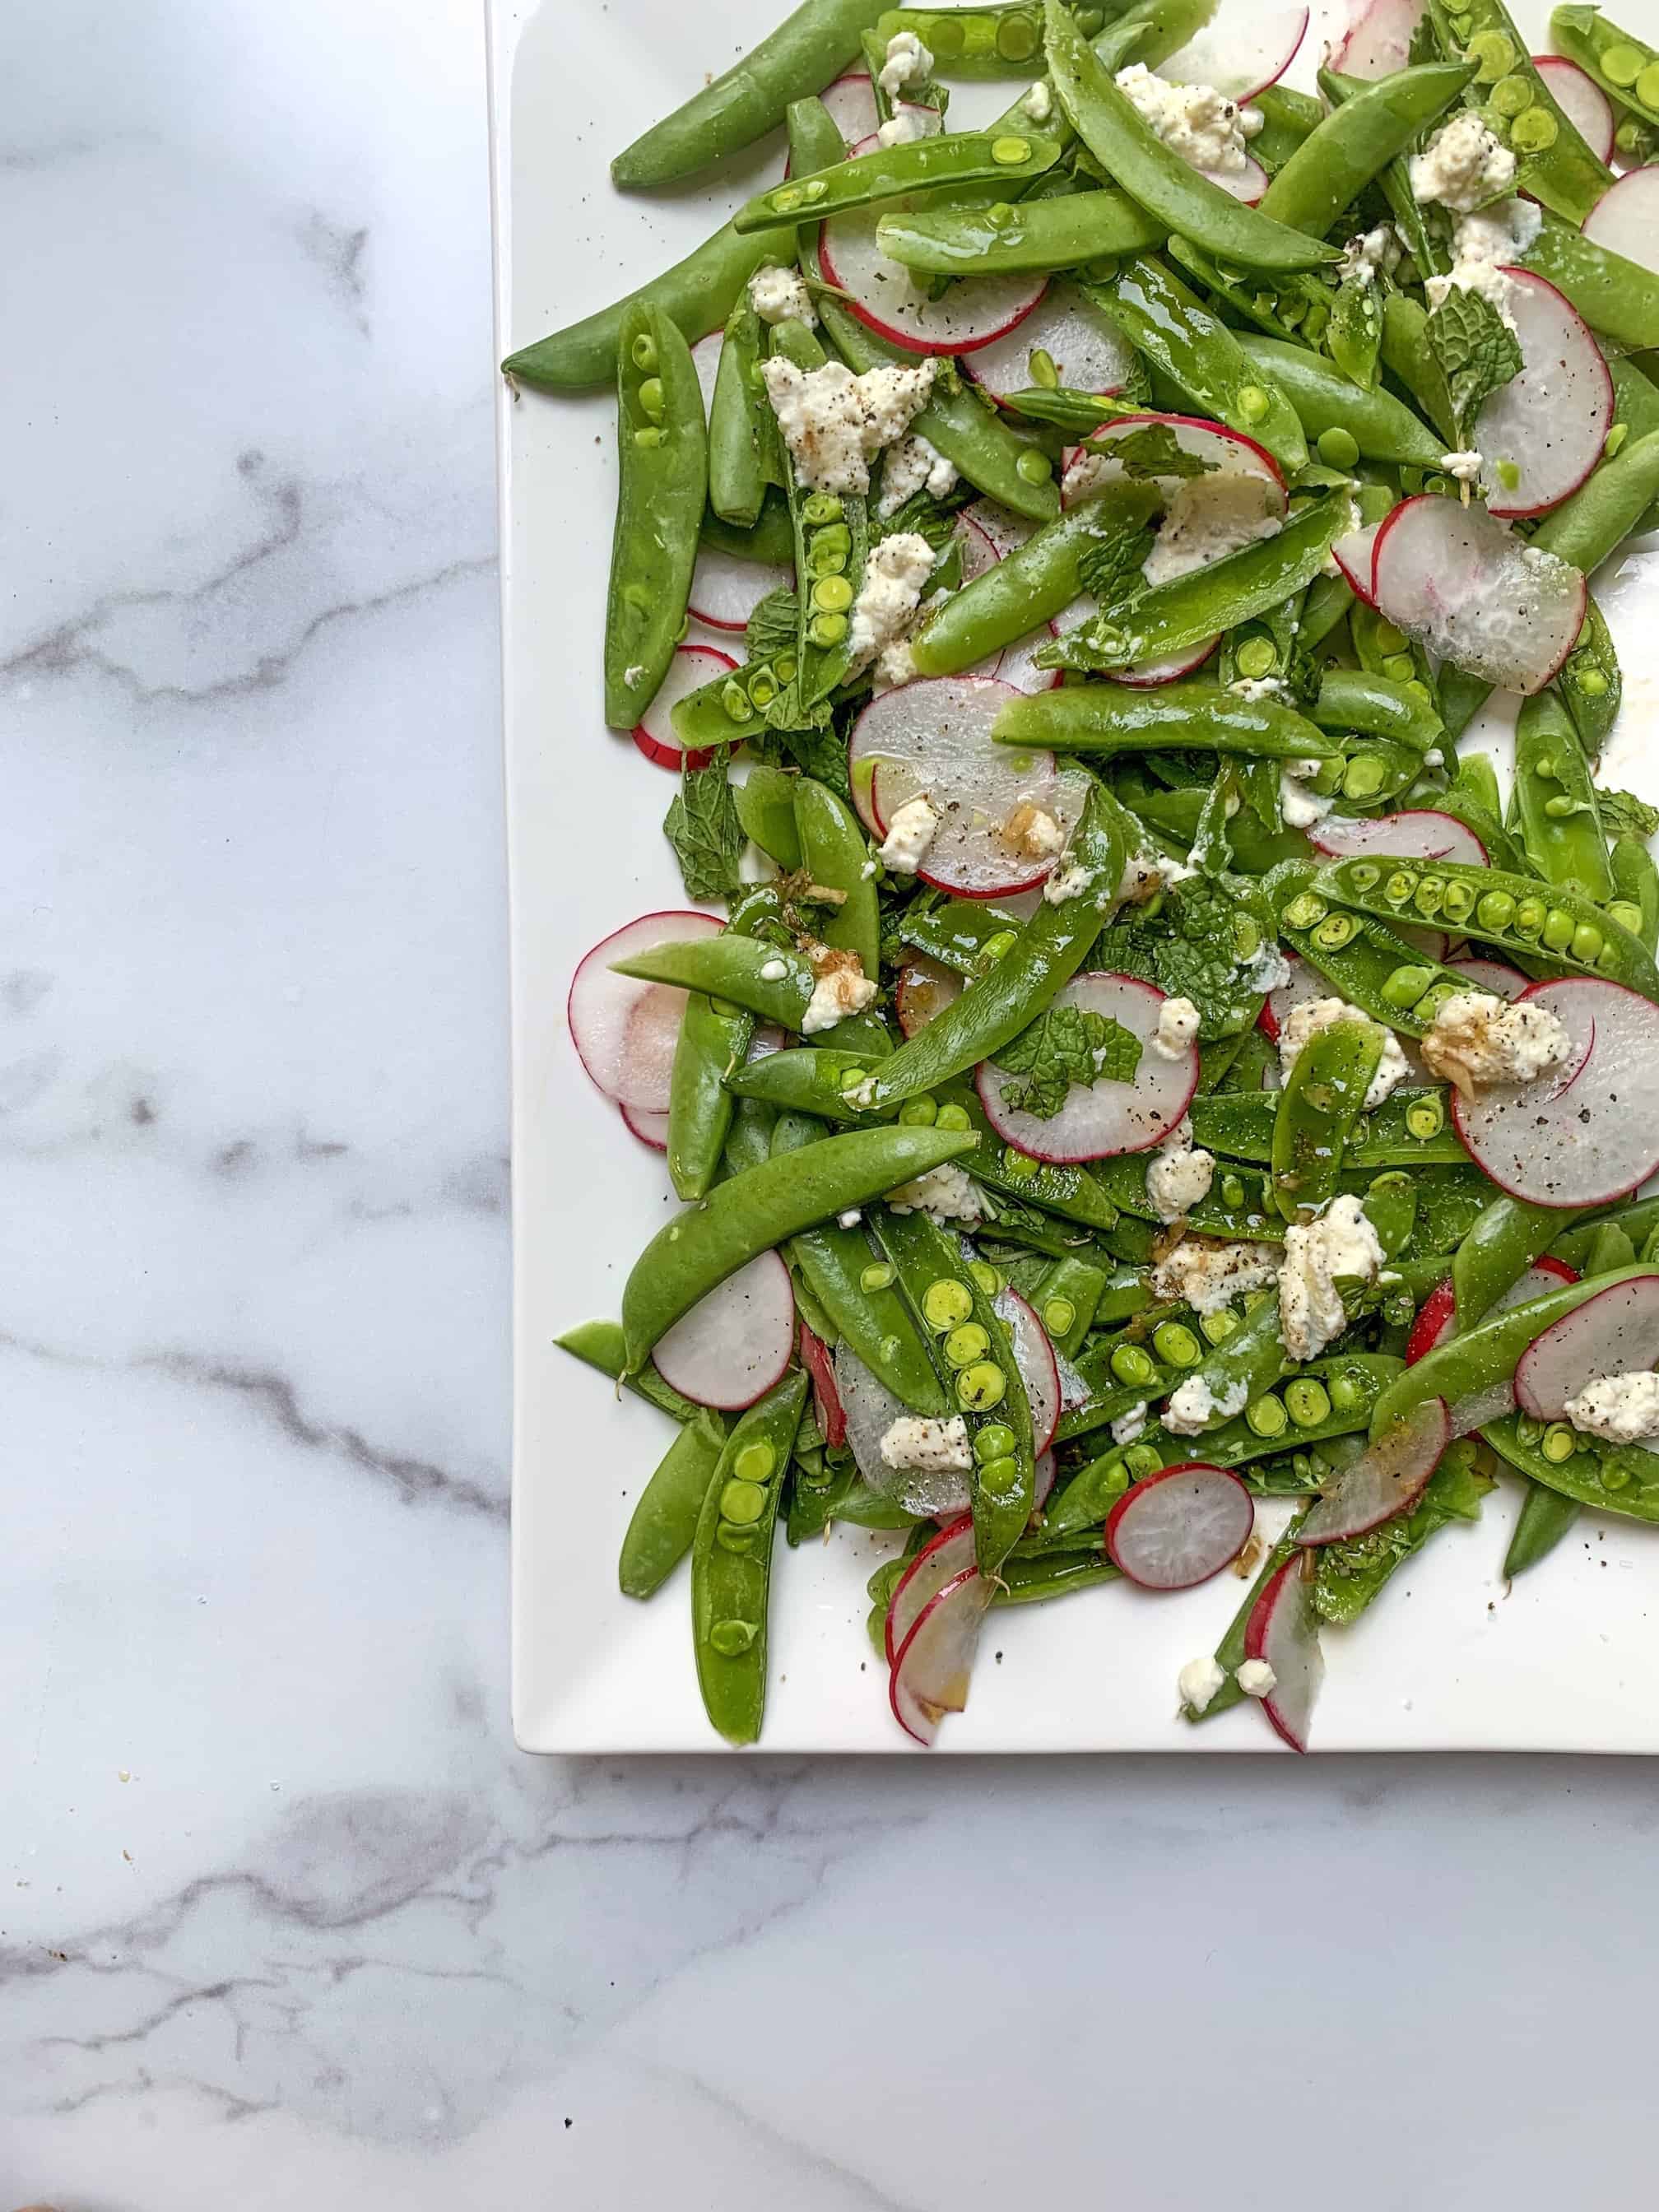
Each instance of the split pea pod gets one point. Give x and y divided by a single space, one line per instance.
808 49
746 455
732 1560
1556 167
760 1209
1625 68
1371 968
663 1524
832 545
1556 811
1323 1098
1008 236
1383 427
976 42
1409 1129
1356 142
1099 719
1612 1478
1008 158
663 458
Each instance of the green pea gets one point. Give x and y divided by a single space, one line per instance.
1631 137
763 691
1592 683
1616 438
1059 1317
814 189
1131 1365
1614 1477
1458 903
986 1276
1176 1345
1232 1191
1559 1443
1365 875
981 1387
952 1117
1334 932
1254 403
1399 886
1400 666
1265 1417
1304 910
919 1113
1532 133
827 630
731 1638
821 506
643 352
1494 53
1307 1402
1430 896
1425 1118
999 946
730 1537
742 1503
1033 467
1527 1430
964 1345
1010 153
1218 1327
647 440
1627 915
787 198
1510 95
1622 64
1404 986
1142 1460
1496 910
755 1463
1461 26
1019 1164
1587 943
1509 474
1338 448
737 703
946 1303
994 1441
1257 657
1558 929
1043 371
850 1078
1246 937
832 595
1346 1393
1389 639
878 1276
999 1476
1362 779
785 666
1432 1000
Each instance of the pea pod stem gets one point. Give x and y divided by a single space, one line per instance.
1009 236
1357 141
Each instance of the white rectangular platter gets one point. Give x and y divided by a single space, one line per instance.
1446 1660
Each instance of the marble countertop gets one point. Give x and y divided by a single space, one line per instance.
287 1920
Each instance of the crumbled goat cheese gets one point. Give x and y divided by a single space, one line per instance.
1206 128
932 1447
909 834
1207 1276
1195 1407
1258 687
1466 467
1482 246
1039 101
944 1193
893 580
774 972
1267 970
632 676
1068 883
1146 874
1624 1409
911 466
897 666
779 295
850 1219
1256 1679
841 988
1181 1174
834 423
908 63
1476 1040
1341 1242
1305 1021
1128 1427
1199 1682
1177 1028
1033 832
1463 165
904 128
1300 807
1364 256
1208 518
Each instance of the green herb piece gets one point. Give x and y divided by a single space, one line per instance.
773 626
1199 943
1066 1045
1477 352
1155 451
1110 566
1624 815
702 827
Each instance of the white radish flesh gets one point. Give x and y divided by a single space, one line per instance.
1242 49
1086 348
706 360
725 592
851 100
650 1128
1379 41
1247 184
1388 1476
1180 1527
625 1031
1581 100
736 1341
1458 580
1034 1355
1225 452
1584 1134
1101 1119
1420 835
1615 1333
1542 433
1625 219
935 1663
1355 554
871 1409
1490 976
949 1555
692 666
925 989
1283 1630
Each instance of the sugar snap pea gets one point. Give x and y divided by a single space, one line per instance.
1383 427
766 807
1067 1297
977 41
1380 706
765 978
663 1524
746 455
1385 976
1034 234
1498 1250
1556 810
601 1345
771 541
1349 1575
1620 1479
1555 165
713 1037
1617 297
732 1560
1410 1129
663 460
1591 525
1323 1098
1357 141
1636 880
1095 720
1626 67
837 855
1545 1518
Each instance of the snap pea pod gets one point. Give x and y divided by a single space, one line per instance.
1323 1098
772 540
807 1080
1547 921
1349 1575
1555 165
1410 1128
1637 1220
1237 1205
1383 427
663 457
1383 650
1290 308
1621 1478
746 455
1159 179
1289 118
1033 1581
766 808
1010 236
801 55
1500 1247
832 546
1591 683
771 980
1601 514
1170 616
663 1524
1458 800
979 41
1636 880
968 435
1625 68
750 1138
837 855
714 1037
1357 140
1618 298
1012 159
1545 1518
1229 1652
1556 810
732 1560
600 1344
761 1209
1411 360
1096 719
1371 967
733 705
967 935
1067 1298
1180 340
1049 952
1380 706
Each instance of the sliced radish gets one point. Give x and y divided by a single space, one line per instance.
1388 1478
1034 1355
706 360
1379 40
949 1555
692 666
935 1662
1228 452
1436 1318
725 592
1004 529
1581 100
1625 219
1087 348
1543 1277
1305 982
1355 554
1419 835
1543 431
1455 578
1284 1630
1000 810
1585 1133
871 1409
1018 664
1248 183
625 1031
1490 976
1180 1527
650 1128
1047 1469
1438 1321
926 987
1615 1333
1242 49
827 1407
887 299
736 1341
851 100
1101 1119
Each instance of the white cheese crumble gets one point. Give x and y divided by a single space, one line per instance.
1202 126
1267 970
1039 101
774 972
1181 1174
944 1193
1481 245
904 129
897 666
1305 1021
1208 518
779 295
1195 1407
841 987
834 423
1364 256
911 466
1177 1028
1199 1682
1466 467
1462 166
1255 688
1207 1276
850 1219
1341 1242
908 62
896 571
1622 1409
1128 1427
1256 1679
1476 1040
909 834
1146 874
1068 883
1300 807
932 1447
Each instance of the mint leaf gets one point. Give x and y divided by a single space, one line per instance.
1476 349
1155 452
773 626
1198 945
1109 566
1064 1046
702 827
1081 412
1624 815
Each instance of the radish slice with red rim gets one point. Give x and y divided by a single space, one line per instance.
1248 183
736 1341
1388 1478
1541 1280
1582 100
1086 347
1584 1134
725 592
1419 835
625 1031
1305 982
1034 1355
949 1555
1004 529
1436 1317
1226 453
871 1409
935 1663
851 100
1355 554
1490 976
692 666
1100 1119
1283 1630
1542 433
1497 1399
1379 41
827 1408
706 360
1615 1333
651 1129
1019 664
1457 580
926 987
1047 1469
1180 1527
1625 219
1242 49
